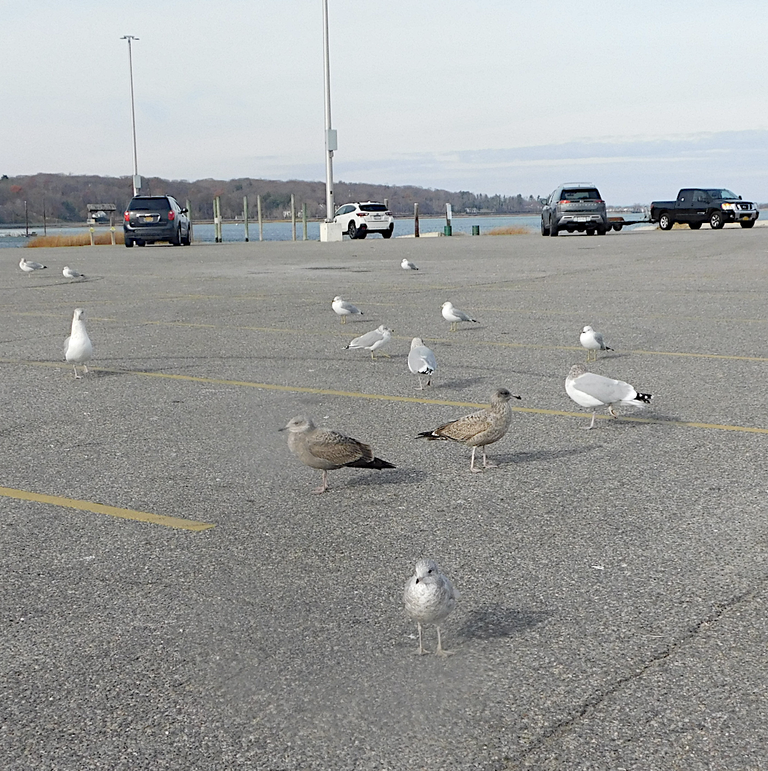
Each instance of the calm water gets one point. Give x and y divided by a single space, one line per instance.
282 231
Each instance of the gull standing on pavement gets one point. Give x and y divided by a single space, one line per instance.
372 341
78 348
590 390
479 429
429 597
454 315
343 308
593 342
421 361
328 450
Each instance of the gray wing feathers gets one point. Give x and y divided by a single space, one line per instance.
604 389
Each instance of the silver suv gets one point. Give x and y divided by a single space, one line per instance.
151 218
575 207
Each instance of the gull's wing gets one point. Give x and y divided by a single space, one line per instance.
337 448
604 389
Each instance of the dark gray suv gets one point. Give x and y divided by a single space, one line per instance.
575 207
151 218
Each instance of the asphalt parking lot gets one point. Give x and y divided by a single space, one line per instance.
613 582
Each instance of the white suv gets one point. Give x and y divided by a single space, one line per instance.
357 220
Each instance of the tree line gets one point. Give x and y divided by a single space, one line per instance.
64 197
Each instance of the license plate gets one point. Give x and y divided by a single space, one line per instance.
746 217
148 218
377 216
580 219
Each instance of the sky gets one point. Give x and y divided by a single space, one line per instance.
490 96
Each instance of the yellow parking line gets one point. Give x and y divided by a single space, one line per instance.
111 511
393 398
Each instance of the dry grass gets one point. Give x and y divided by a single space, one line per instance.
81 239
509 231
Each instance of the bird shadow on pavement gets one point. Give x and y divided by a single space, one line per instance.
512 458
397 476
455 385
493 621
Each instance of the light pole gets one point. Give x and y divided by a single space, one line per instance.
330 134
136 181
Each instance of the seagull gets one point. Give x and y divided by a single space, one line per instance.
30 267
429 597
406 264
479 429
590 390
372 341
454 315
71 273
343 308
328 450
421 361
593 342
78 348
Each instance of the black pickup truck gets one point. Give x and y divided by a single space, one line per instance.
696 205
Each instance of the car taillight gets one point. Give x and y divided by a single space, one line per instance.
599 200
171 215
361 213
564 200
127 216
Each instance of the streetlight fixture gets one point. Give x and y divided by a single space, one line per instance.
136 178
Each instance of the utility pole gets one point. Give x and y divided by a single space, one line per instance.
330 134
136 179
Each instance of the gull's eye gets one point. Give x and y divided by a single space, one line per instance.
429 571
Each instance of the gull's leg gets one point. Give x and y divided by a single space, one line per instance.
488 463
592 424
85 369
343 319
440 651
324 486
420 651
74 367
612 411
472 463
372 356
420 388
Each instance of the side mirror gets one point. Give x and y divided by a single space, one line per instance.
185 211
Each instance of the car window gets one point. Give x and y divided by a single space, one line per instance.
581 194
148 204
372 207
722 193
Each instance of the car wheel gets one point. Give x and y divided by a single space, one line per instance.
552 229
141 243
176 240
129 242
694 225
362 232
352 230
544 228
665 221
602 231
591 232
617 228
388 233
716 220
747 224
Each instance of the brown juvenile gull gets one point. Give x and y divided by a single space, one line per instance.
78 348
421 361
454 315
328 450
479 428
590 390
429 597
343 308
593 342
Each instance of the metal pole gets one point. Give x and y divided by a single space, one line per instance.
188 206
416 220
26 217
304 219
330 139
258 214
129 38
245 217
293 217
